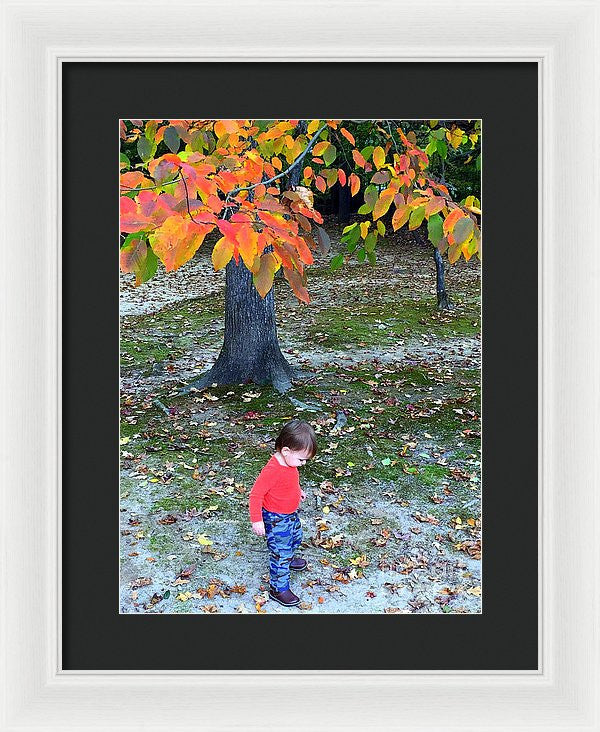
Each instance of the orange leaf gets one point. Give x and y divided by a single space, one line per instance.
358 158
321 184
341 177
320 147
354 184
451 219
348 135
247 239
135 178
223 126
308 172
400 216
435 204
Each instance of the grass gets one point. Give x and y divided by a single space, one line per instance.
385 323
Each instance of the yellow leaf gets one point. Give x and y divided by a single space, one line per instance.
203 540
222 253
379 157
326 509
177 240
383 203
263 279
474 591
313 126
454 136
124 440
364 228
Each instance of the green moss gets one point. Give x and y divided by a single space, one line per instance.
433 475
384 323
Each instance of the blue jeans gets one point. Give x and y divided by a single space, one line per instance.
284 535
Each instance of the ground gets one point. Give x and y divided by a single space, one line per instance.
392 521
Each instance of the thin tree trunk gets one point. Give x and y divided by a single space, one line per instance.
343 204
443 300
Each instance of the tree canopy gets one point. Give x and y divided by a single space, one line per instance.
183 179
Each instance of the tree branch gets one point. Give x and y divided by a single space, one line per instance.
280 175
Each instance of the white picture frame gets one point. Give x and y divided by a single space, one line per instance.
562 37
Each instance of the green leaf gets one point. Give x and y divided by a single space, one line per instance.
196 141
329 155
439 134
431 147
370 241
386 461
366 152
365 209
361 255
352 236
124 159
351 246
371 196
371 258
151 128
462 230
435 229
349 228
416 218
442 149
172 139
144 148
336 262
167 595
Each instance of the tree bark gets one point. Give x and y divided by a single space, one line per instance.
443 300
250 351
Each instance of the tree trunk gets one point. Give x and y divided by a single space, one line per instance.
250 351
343 204
443 300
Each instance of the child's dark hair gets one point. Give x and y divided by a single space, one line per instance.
297 435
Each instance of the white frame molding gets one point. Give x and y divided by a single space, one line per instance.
562 36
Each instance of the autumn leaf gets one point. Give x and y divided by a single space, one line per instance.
358 158
138 258
383 203
177 240
354 184
378 157
222 253
263 279
348 135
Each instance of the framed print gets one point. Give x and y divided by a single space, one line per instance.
183 523
530 659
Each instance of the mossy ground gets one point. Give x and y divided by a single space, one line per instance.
407 443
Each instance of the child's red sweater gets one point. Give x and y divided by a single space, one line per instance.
277 489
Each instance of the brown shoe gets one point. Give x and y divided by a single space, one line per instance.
298 563
285 597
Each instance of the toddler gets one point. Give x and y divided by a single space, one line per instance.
274 501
